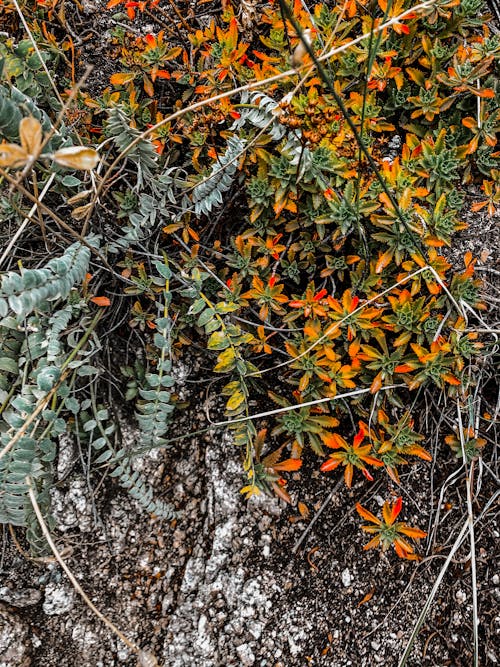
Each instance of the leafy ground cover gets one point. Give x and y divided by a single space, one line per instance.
276 190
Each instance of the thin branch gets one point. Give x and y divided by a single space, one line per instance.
27 219
472 540
325 504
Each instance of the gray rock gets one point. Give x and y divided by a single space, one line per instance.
21 598
59 599
15 642
245 655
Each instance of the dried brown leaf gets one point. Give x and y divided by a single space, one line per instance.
12 155
77 157
30 134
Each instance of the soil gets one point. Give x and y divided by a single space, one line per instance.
238 583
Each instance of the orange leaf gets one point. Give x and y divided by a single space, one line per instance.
148 86
383 261
389 513
376 385
403 368
366 515
348 474
451 379
303 509
487 92
331 464
288 465
102 301
414 533
367 597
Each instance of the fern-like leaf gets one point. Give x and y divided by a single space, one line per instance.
33 288
207 195
143 154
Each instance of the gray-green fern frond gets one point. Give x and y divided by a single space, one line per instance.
32 288
141 491
208 194
264 114
143 155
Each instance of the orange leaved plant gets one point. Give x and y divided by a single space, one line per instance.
353 456
388 531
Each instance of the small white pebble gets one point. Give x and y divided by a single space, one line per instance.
346 577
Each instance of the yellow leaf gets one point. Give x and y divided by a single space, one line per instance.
235 401
77 157
121 78
250 491
173 53
12 155
30 134
225 361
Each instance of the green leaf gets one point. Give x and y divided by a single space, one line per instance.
213 325
105 456
4 308
71 181
8 365
72 404
85 370
197 307
163 270
206 316
99 443
48 377
152 379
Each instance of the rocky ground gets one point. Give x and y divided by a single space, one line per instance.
225 584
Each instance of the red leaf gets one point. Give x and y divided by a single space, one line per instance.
396 509
331 464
